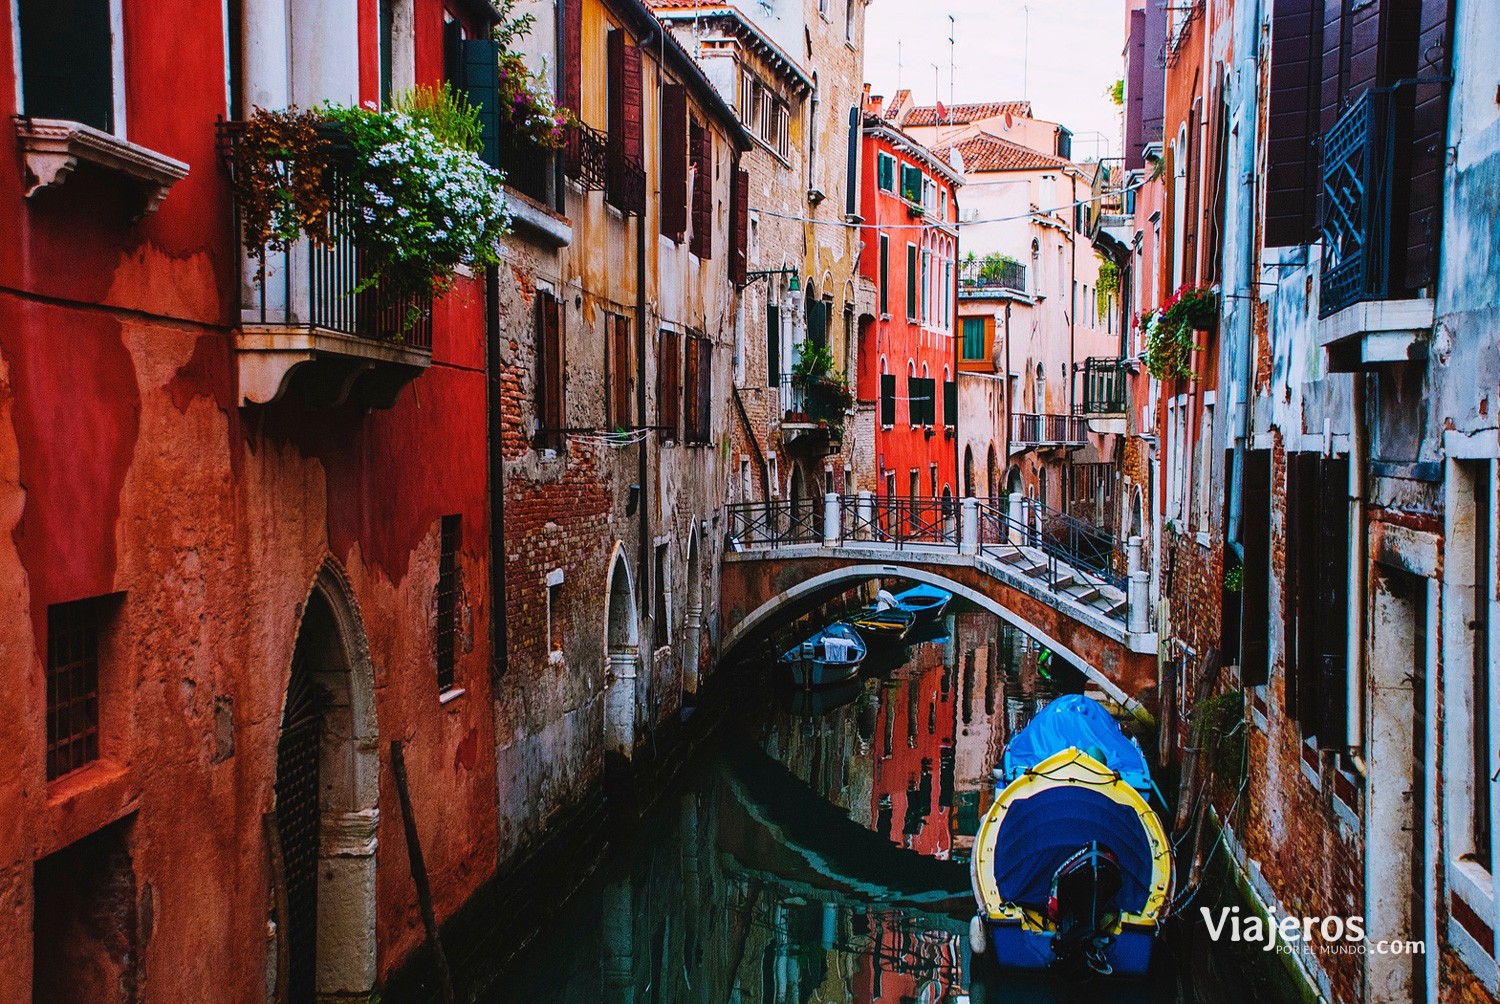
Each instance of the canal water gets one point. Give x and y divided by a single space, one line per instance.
818 851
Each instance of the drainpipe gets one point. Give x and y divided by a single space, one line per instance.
1072 300
643 561
495 463
1359 452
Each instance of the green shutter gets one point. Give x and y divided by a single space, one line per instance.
950 403
885 274
974 338
887 399
481 83
911 183
817 319
911 281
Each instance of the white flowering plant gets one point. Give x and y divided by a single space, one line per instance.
422 206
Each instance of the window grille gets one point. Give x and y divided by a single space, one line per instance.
72 686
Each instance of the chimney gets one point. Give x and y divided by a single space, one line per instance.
899 105
876 105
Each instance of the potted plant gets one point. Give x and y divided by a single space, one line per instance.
1171 330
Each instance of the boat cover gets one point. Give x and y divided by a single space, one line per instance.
1081 723
1041 831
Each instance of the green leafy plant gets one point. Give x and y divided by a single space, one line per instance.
281 168
1108 285
1171 331
829 397
1218 730
1116 91
444 113
1234 579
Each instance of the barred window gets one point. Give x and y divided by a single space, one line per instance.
446 631
73 685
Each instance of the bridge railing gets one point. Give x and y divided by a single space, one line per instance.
899 520
1022 522
776 522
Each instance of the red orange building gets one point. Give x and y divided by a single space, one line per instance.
909 212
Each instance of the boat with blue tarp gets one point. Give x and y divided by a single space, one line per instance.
1072 866
830 655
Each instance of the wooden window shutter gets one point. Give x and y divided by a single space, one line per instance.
1429 132
911 282
691 402
887 399
1293 179
1254 593
817 320
551 375
739 254
950 403
67 69
619 371
668 388
851 194
1308 503
705 389
773 345
480 62
674 161
632 133
1332 614
572 76
701 141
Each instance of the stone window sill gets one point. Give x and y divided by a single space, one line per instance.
53 148
450 695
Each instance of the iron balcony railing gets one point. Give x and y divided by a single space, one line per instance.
325 286
625 180
1358 166
1047 430
1104 384
529 169
981 276
586 157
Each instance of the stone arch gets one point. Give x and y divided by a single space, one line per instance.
692 635
327 791
622 651
969 472
992 476
1013 483
812 588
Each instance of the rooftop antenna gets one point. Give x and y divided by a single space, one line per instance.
1026 52
898 64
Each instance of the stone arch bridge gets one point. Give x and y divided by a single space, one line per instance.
787 556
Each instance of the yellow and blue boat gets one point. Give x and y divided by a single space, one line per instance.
1071 866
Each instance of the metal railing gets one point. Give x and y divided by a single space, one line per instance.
981 274
1358 166
1070 552
900 520
776 522
529 169
1028 429
586 157
1104 385
326 285
625 180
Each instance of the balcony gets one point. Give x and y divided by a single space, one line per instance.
991 276
308 329
1368 315
1028 431
625 180
1105 379
585 157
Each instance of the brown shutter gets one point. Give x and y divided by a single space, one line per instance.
674 161
615 82
691 402
1333 67
618 371
572 76
669 391
551 379
1307 502
702 153
1292 179
739 258
1332 613
1429 132
1254 595
631 101
705 389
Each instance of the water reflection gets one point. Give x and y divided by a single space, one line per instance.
822 854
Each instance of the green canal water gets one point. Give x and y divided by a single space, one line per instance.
817 850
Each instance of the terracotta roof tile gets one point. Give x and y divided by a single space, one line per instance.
926 115
991 153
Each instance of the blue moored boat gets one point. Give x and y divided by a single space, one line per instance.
829 656
926 602
1071 864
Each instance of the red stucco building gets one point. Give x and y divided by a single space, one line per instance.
243 549
909 210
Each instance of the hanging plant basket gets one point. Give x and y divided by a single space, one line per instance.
1172 331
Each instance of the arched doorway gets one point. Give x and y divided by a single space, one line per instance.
692 635
968 472
326 816
622 651
992 477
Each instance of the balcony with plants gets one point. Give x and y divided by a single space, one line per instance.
1177 329
990 275
351 222
821 399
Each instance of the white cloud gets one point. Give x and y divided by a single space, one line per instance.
1074 56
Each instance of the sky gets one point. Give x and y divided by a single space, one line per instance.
1074 54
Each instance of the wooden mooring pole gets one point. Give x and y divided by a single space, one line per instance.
419 873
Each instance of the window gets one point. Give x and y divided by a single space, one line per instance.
823 7
911 184
668 384
911 282
1482 727
920 392
1205 461
617 371
659 609
885 172
445 632
625 126
849 21
1255 504
554 611
773 345
73 635
950 403
698 390
887 399
973 344
926 314
1316 595
551 375
885 274
67 62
